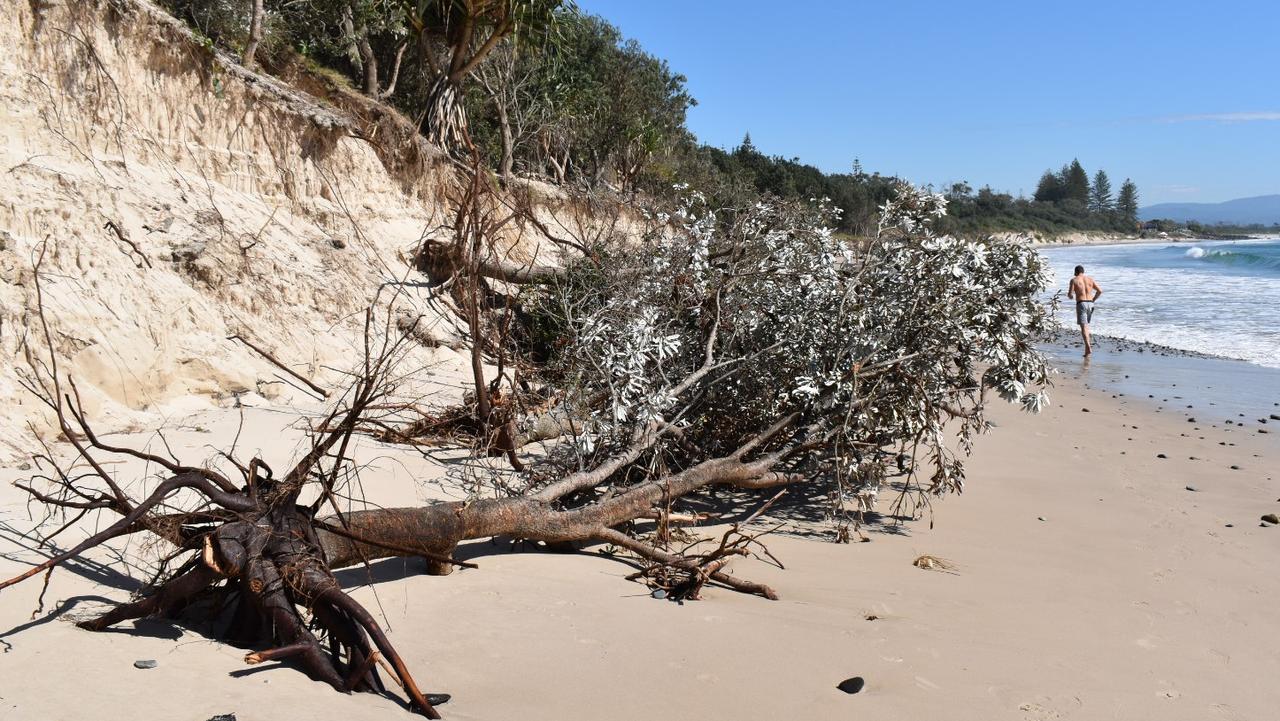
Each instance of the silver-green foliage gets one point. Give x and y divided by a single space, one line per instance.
717 326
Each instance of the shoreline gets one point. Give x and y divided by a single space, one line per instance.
1217 386
1090 582
1087 240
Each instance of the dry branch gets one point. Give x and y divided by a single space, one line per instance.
277 363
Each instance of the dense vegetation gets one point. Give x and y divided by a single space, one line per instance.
1063 201
541 89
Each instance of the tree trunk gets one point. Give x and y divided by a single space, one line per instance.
255 34
370 62
508 151
442 526
445 121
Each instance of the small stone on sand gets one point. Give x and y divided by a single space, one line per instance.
851 685
1193 489
1271 518
145 663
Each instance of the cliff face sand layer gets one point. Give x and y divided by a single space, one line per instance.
245 207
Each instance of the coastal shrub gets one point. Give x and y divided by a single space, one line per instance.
862 350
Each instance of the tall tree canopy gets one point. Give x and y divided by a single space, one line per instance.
1100 200
1075 183
1049 189
454 37
602 106
1127 202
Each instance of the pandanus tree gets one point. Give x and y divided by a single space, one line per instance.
454 37
723 354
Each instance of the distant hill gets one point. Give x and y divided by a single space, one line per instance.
1263 209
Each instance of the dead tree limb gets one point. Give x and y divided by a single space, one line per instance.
277 363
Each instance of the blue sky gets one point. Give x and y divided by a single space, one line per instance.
1183 97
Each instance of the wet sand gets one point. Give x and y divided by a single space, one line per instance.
1214 388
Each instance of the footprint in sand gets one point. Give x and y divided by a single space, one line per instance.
1045 708
1036 712
926 684
1223 711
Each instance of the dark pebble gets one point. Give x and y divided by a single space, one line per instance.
438 699
1235 468
1271 518
1086 410
145 663
1161 455
223 717
1193 489
1191 420
851 685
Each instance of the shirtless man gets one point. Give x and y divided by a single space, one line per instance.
1085 291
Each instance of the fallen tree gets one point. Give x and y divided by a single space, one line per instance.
747 350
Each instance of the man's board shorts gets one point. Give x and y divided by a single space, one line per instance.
1084 312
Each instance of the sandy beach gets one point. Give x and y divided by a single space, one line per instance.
1107 560
1089 583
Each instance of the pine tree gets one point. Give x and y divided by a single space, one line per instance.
1100 200
1049 190
1075 183
1127 202
746 147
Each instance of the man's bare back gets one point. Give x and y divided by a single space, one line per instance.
1084 290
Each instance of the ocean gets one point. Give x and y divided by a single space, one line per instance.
1216 297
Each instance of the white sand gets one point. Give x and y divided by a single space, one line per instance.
1131 600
